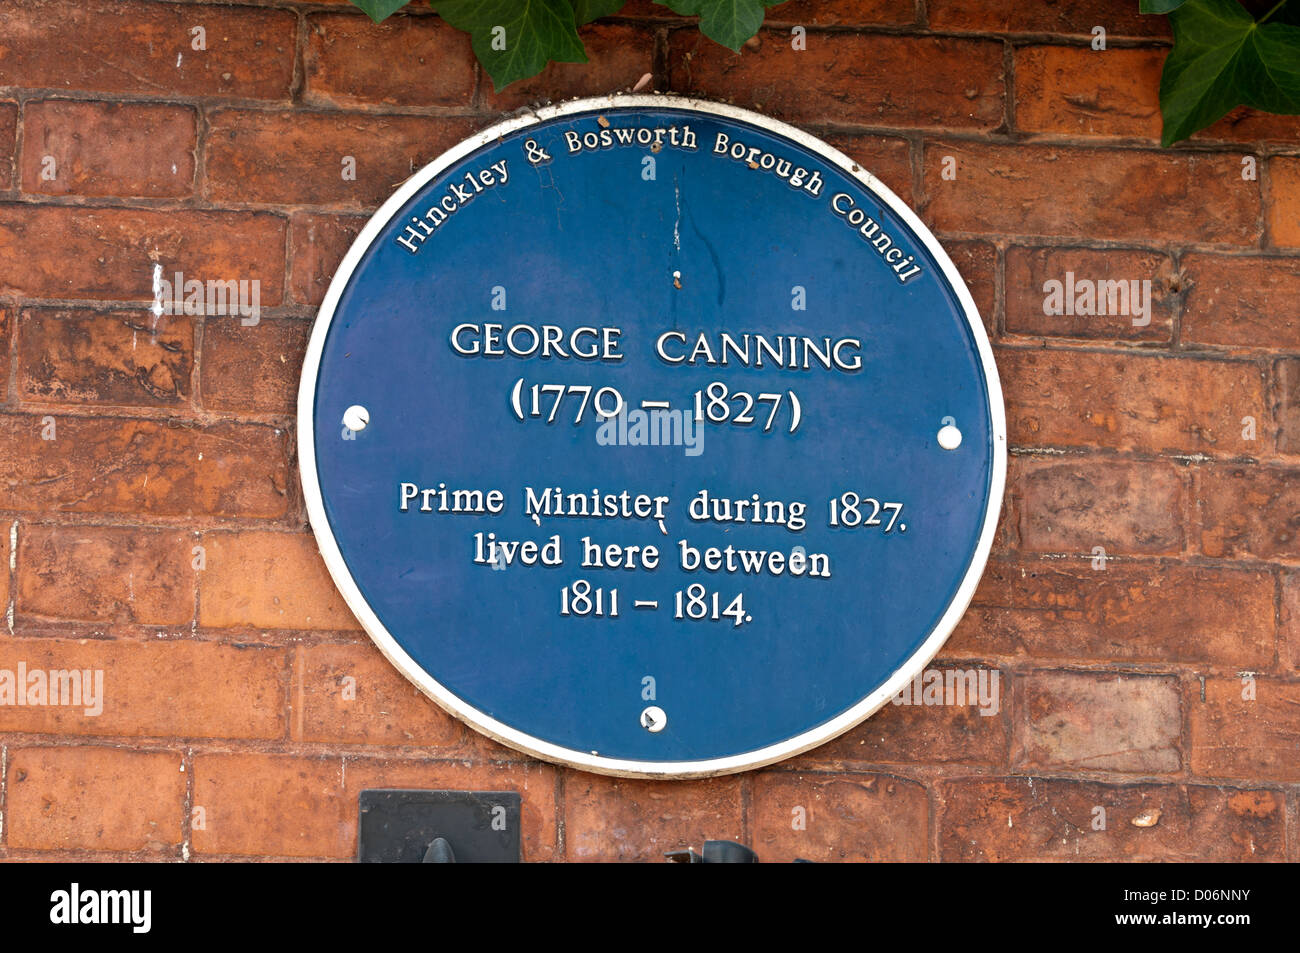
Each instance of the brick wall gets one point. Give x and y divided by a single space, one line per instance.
161 535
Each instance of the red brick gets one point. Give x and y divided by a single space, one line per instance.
888 158
1079 91
95 149
1103 194
1284 210
1073 505
283 158
104 574
1062 17
877 80
129 46
1236 737
1045 819
850 819
95 799
1249 511
378 707
317 246
1029 270
804 12
615 819
1289 641
8 132
916 733
1241 301
843 12
1059 398
978 264
618 55
142 466
285 806
252 369
1161 612
109 253
1286 406
157 689
121 357
1082 721
268 580
404 61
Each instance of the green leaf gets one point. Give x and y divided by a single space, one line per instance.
584 11
1221 59
729 22
1159 6
514 39
380 10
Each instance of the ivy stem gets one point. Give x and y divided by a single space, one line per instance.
1280 5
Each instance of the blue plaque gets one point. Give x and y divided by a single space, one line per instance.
652 436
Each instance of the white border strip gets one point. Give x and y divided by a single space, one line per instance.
518 739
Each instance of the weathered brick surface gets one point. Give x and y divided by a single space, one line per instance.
1136 612
1046 819
1145 558
1284 212
1248 511
405 61
252 368
146 48
1033 308
851 78
154 689
612 819
1063 18
94 799
54 463
101 149
1123 723
973 732
1246 727
318 244
268 580
353 694
326 159
843 818
1242 302
1073 505
1127 402
104 574
132 358
8 131
109 254
1103 194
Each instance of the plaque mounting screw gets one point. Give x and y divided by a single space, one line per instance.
356 417
654 719
949 437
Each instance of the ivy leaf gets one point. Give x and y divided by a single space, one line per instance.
729 22
514 39
380 10
584 11
1223 58
1159 6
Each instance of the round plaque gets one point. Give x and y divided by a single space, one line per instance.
652 436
